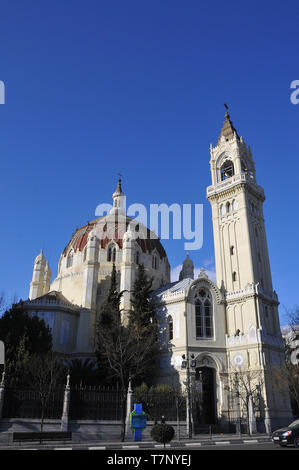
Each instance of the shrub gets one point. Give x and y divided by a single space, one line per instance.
162 433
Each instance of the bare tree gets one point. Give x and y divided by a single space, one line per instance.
2 302
287 378
293 317
126 350
246 385
44 374
127 356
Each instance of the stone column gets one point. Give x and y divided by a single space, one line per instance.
66 405
129 408
2 387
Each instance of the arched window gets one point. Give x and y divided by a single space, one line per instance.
69 261
84 254
234 276
227 170
170 328
155 264
203 315
228 207
111 255
235 205
232 250
137 257
222 209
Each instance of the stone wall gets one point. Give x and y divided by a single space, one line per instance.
82 430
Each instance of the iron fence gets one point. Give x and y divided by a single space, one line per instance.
26 404
157 405
99 403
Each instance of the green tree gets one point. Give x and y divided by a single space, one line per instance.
143 313
23 336
82 372
110 309
162 433
161 400
143 324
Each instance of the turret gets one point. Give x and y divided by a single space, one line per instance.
90 276
187 269
128 268
40 276
47 278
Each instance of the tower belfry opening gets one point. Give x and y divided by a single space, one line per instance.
227 170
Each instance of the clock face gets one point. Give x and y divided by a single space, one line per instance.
238 360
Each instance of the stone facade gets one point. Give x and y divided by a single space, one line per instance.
223 327
232 326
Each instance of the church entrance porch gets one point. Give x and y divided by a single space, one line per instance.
204 398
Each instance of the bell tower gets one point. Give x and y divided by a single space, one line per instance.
238 220
241 250
253 336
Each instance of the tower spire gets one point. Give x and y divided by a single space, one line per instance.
228 129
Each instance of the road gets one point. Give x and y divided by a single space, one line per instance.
252 445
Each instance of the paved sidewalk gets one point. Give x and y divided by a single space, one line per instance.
196 441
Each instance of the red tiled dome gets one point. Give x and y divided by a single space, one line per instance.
79 238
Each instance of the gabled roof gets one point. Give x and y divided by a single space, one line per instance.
173 287
52 298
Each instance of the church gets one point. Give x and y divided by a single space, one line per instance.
208 330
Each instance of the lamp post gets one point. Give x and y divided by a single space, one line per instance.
186 364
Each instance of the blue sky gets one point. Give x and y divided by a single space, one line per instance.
95 88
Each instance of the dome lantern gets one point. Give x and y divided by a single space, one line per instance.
118 200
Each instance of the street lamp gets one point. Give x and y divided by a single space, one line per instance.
188 362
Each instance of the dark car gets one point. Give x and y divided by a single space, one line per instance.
287 435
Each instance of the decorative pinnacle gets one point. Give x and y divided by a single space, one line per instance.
118 188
